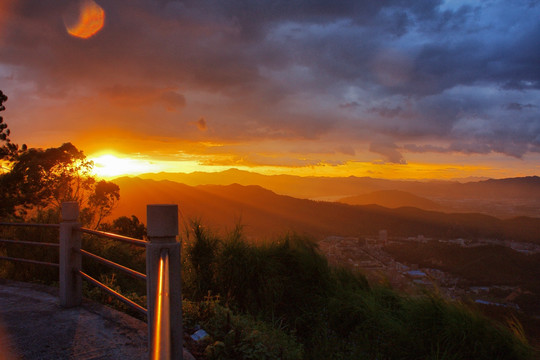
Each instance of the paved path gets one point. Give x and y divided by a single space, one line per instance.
34 326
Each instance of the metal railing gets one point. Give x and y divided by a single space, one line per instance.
112 265
34 243
112 236
164 300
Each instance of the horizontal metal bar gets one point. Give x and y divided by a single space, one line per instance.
110 291
30 225
112 264
109 235
29 261
28 242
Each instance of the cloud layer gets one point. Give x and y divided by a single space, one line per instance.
388 79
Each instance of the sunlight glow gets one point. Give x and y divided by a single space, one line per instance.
110 166
107 165
90 21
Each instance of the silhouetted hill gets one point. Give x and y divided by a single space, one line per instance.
312 186
504 197
266 214
297 186
392 199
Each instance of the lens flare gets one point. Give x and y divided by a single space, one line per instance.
91 19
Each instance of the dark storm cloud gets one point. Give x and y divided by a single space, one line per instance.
201 124
518 106
389 151
136 96
409 71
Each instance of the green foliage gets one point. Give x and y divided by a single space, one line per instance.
333 312
237 336
199 266
270 280
381 323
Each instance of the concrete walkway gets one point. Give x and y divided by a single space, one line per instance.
34 326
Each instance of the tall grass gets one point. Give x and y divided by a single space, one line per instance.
334 312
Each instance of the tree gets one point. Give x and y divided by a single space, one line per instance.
7 149
44 178
104 199
124 225
41 179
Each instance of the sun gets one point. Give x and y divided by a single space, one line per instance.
108 166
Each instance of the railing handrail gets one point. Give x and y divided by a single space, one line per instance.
112 264
29 224
163 279
110 291
29 261
107 262
113 236
22 242
162 329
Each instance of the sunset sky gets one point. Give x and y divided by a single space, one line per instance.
391 89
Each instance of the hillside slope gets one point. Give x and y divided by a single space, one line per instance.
501 197
391 199
266 214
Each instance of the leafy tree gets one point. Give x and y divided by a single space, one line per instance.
7 149
104 198
41 179
124 225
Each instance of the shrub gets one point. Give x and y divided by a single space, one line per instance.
334 313
380 323
238 337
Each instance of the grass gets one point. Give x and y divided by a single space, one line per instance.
335 313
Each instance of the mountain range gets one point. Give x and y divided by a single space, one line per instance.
265 214
392 199
498 197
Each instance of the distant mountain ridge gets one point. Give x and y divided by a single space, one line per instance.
266 214
311 187
500 197
392 199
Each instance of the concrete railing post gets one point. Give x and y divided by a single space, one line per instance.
70 260
162 234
